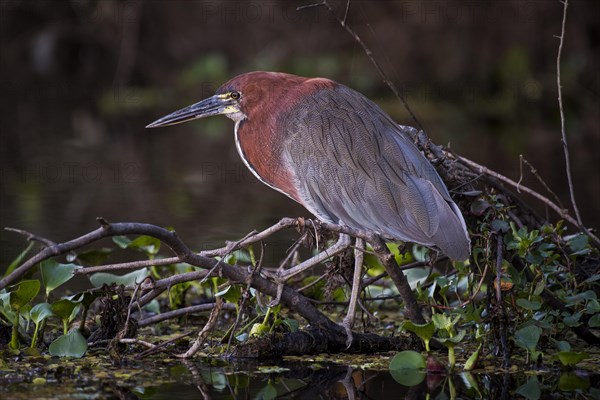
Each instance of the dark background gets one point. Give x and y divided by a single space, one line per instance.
80 80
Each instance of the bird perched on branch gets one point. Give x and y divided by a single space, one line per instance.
338 154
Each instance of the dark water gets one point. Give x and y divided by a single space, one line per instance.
281 379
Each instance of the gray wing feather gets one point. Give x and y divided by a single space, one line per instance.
355 166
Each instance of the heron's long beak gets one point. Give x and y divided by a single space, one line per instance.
215 105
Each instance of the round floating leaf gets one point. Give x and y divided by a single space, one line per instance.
23 293
407 368
73 344
407 360
55 274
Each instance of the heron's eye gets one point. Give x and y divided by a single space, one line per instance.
235 95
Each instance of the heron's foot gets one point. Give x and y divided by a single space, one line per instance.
277 299
347 325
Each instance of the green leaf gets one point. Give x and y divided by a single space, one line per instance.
121 241
55 274
146 244
471 362
571 358
529 305
259 329
23 293
530 390
442 321
499 225
73 344
594 322
571 382
93 257
572 320
291 324
407 368
528 337
562 345
579 297
269 392
64 308
84 298
17 261
578 243
423 331
454 340
132 278
40 312
231 293
407 360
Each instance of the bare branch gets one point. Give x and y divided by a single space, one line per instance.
562 123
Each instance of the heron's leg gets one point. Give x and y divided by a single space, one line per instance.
281 276
359 257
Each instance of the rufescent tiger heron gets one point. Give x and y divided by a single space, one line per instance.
341 156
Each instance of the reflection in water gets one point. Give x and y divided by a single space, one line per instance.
241 380
169 379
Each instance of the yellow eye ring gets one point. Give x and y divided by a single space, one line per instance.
235 95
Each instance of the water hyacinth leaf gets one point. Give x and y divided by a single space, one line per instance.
499 225
407 368
291 324
93 257
84 298
55 274
423 331
529 304
571 358
528 337
562 345
40 312
146 244
454 340
132 278
231 293
571 382
23 292
64 308
441 321
594 322
73 344
121 241
269 392
530 390
17 261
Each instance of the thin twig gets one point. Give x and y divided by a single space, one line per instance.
31 237
183 311
368 52
203 334
561 212
540 179
562 118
